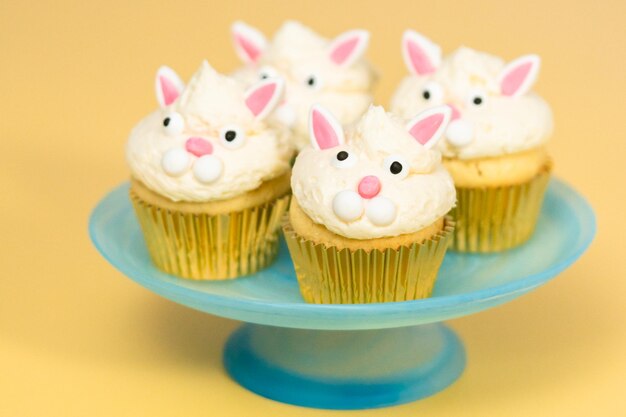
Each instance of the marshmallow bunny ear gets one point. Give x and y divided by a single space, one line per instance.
168 86
428 126
518 77
325 131
263 97
249 42
421 55
348 47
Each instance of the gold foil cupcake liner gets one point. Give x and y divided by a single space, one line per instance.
328 275
498 218
210 247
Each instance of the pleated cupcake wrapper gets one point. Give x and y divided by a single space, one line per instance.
498 218
211 247
328 275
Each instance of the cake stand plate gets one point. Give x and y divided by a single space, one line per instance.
352 356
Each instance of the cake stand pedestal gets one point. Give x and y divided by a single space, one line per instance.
352 356
344 369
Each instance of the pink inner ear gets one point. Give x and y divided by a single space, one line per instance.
248 47
419 59
515 78
169 90
259 99
343 51
424 130
324 134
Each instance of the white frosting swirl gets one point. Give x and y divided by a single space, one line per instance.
498 125
295 54
329 192
209 103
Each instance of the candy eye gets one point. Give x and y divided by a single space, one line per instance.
432 92
173 124
397 166
267 72
344 159
476 98
232 136
313 82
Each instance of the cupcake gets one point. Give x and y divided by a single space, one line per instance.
367 221
316 70
494 147
209 177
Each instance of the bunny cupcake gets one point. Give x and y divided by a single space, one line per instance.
367 222
316 71
210 179
494 147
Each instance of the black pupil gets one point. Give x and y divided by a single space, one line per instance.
166 121
396 167
426 94
264 76
342 156
230 135
478 100
311 81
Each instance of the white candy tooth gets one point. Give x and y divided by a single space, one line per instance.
286 114
207 168
460 133
381 211
348 205
175 162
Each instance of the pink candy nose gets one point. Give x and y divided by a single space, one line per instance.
198 146
369 187
456 114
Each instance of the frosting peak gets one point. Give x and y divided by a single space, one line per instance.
296 38
213 98
467 68
379 133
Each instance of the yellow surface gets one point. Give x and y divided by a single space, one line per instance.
79 339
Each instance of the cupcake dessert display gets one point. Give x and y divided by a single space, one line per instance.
376 200
494 146
316 70
210 178
367 222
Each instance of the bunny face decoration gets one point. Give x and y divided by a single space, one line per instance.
380 178
316 71
208 141
493 110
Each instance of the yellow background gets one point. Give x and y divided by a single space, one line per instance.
79 339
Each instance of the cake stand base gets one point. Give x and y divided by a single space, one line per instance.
354 369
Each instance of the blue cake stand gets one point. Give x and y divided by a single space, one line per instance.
352 356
